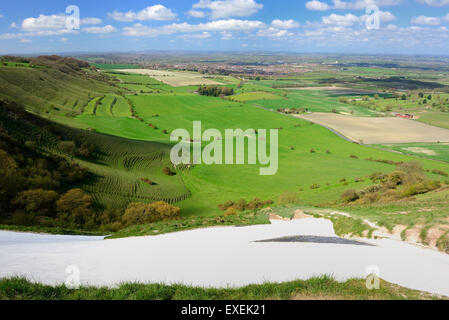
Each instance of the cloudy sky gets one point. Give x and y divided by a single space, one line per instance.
339 26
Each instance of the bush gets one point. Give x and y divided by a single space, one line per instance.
167 171
350 196
214 91
141 213
37 201
288 198
68 147
243 205
421 188
315 186
75 208
230 212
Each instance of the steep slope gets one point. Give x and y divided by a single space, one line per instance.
52 86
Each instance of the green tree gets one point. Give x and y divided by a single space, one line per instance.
75 208
38 201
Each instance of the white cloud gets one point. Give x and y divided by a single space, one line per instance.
423 20
54 22
196 14
100 30
226 35
384 16
157 12
1 16
9 36
317 5
25 40
285 24
434 3
446 18
220 9
274 33
89 21
13 25
138 29
340 20
204 35
363 4
350 5
392 27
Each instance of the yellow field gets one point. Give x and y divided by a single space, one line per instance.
379 130
255 96
174 78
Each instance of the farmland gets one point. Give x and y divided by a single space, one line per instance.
212 185
379 130
129 117
173 78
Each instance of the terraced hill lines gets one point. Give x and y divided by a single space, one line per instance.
110 105
118 166
49 91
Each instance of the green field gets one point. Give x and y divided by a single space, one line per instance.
313 101
435 118
437 151
131 131
298 167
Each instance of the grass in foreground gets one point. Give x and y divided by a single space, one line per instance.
320 288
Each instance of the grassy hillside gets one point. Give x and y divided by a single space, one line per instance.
49 91
318 174
131 135
118 166
312 289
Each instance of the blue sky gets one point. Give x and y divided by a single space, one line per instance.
337 26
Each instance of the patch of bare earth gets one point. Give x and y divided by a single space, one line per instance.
381 130
273 216
435 233
299 214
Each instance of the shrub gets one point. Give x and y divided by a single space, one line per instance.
421 188
148 181
230 212
353 156
410 167
68 147
167 171
75 208
315 186
350 196
37 201
312 150
288 198
141 213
